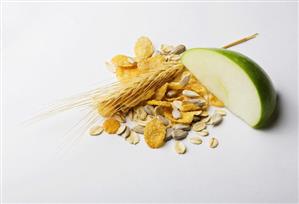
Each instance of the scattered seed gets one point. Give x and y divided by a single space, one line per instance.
149 109
216 119
141 113
196 118
190 93
179 147
163 120
213 142
138 129
204 114
185 79
196 101
206 119
159 110
196 140
168 134
126 133
203 133
182 127
176 114
121 129
133 138
221 112
96 130
177 104
171 93
198 126
178 134
178 49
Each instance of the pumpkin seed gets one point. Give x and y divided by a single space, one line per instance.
198 126
121 129
178 134
179 147
195 140
149 109
203 133
182 127
176 114
96 130
189 93
138 129
213 142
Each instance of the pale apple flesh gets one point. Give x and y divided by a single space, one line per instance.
236 80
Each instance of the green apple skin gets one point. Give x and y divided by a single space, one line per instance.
256 74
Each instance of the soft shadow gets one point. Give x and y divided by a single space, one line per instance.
276 116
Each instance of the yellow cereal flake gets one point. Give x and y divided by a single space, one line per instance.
111 125
189 107
155 62
214 101
187 117
175 86
159 103
123 61
154 133
160 93
143 48
126 74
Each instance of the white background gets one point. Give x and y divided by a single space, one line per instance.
55 50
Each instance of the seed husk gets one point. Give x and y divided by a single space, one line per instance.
149 109
138 129
216 119
213 142
196 101
189 93
182 127
133 138
179 147
203 133
221 112
178 49
196 140
163 120
178 134
185 79
198 126
121 129
126 133
159 110
176 114
96 130
171 93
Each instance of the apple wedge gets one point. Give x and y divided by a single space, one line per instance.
238 81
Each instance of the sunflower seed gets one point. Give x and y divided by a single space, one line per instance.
203 133
168 134
176 114
159 110
195 140
178 49
198 126
171 93
221 112
177 104
163 120
120 118
196 101
96 130
204 113
216 119
213 142
133 138
185 79
182 127
149 109
138 129
206 119
126 133
179 147
121 129
189 93
178 134
196 118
